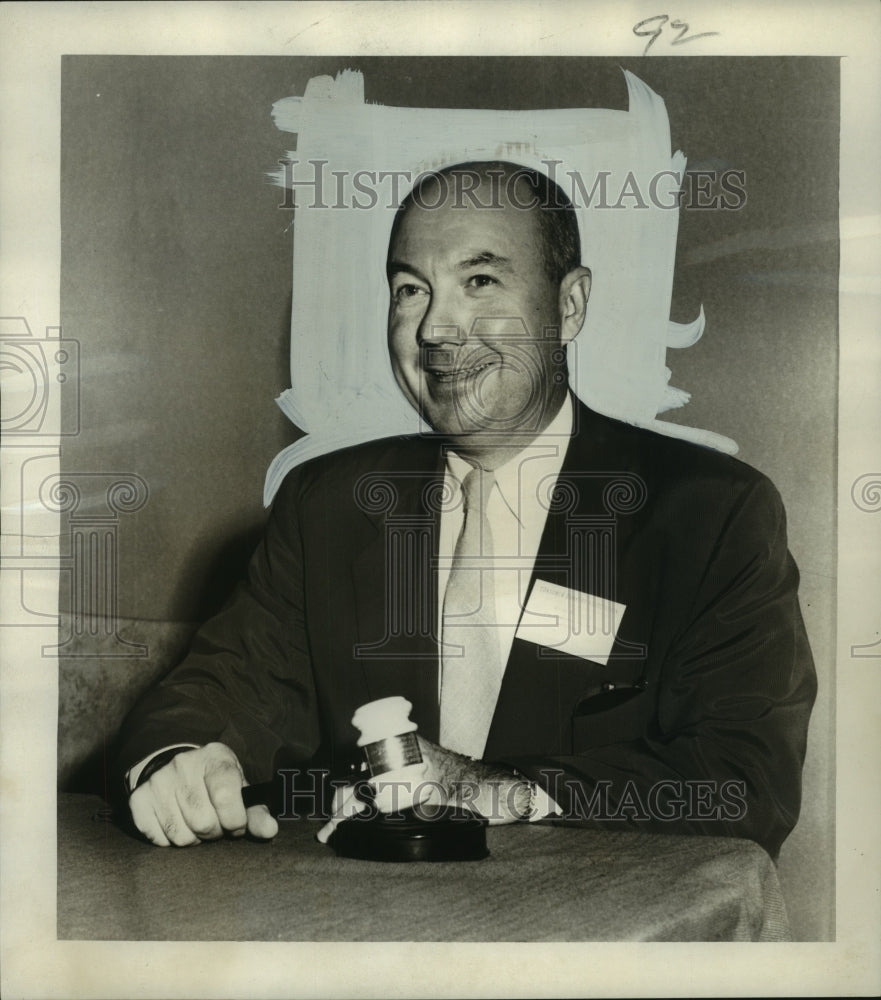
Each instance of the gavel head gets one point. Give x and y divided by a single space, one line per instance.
402 826
387 735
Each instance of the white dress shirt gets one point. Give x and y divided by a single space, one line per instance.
517 510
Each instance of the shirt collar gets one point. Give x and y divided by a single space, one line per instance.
517 480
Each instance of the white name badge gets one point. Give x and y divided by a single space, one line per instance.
573 622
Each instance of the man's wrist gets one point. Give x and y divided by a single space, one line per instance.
514 794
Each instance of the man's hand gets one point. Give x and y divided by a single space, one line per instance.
498 795
494 793
198 796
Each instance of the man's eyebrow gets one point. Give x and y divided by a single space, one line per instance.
485 257
394 267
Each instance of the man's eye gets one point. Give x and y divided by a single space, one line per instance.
482 281
407 292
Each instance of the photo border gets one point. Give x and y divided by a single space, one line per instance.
35 963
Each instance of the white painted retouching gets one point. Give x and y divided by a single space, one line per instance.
353 165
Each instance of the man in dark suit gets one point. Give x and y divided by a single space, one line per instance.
591 620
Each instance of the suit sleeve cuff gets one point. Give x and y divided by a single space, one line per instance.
134 773
542 805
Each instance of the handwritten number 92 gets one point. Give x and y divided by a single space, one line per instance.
652 27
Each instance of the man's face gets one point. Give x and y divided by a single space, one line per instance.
474 319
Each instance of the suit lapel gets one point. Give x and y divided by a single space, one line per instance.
394 572
578 551
395 580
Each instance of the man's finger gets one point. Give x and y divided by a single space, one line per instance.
198 812
261 823
172 822
224 788
144 817
157 796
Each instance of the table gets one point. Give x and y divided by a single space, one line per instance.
541 882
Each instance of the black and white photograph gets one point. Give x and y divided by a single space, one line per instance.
438 486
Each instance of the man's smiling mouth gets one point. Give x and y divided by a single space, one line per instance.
450 374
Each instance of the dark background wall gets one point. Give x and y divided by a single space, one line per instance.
176 281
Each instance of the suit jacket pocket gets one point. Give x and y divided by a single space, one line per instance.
602 718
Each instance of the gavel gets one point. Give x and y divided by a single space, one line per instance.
401 823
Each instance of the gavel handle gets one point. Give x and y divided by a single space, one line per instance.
256 795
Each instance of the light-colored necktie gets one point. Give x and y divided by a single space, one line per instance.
471 673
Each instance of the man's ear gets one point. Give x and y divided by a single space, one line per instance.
574 293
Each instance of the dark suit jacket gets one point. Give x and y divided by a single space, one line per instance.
340 607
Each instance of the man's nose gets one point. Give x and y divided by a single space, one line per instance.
441 323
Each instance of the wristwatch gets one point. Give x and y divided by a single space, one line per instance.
530 791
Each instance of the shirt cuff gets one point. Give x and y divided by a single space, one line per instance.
132 775
542 805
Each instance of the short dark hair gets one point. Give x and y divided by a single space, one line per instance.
558 224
